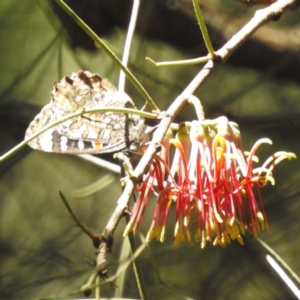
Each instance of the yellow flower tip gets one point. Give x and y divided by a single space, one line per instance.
128 228
240 240
216 241
270 179
212 223
255 159
220 240
203 240
222 245
148 237
151 234
203 243
174 142
223 241
188 236
262 222
264 141
156 232
233 232
177 239
260 217
284 154
162 234
232 221
242 228
186 221
226 239
176 229
291 155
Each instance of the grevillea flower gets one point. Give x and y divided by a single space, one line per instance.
211 183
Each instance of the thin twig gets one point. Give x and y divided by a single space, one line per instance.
176 63
86 230
203 29
129 36
102 163
124 255
136 266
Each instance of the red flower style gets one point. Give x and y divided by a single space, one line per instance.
215 191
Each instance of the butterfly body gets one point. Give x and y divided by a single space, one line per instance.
94 133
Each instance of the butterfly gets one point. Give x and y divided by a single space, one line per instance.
93 133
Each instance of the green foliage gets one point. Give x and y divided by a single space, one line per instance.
42 253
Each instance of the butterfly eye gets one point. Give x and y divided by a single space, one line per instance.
134 147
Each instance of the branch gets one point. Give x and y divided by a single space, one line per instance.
261 17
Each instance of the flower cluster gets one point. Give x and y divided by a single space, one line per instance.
211 183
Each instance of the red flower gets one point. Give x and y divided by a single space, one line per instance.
214 188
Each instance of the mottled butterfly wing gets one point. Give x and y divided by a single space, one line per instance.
89 133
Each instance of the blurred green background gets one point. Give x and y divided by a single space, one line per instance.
42 253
